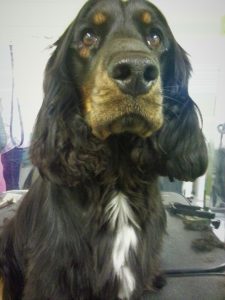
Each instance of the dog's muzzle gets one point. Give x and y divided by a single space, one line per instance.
126 94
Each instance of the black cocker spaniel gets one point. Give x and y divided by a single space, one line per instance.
115 116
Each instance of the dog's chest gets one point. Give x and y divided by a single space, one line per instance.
122 222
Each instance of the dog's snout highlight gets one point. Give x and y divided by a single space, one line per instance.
133 75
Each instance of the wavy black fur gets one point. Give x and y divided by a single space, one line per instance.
59 244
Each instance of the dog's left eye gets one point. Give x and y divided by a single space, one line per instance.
154 40
90 40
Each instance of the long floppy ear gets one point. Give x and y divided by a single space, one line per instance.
63 147
180 142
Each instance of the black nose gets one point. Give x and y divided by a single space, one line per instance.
133 75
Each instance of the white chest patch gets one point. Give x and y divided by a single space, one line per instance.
122 220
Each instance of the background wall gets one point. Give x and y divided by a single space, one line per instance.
32 25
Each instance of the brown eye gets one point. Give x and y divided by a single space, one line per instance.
154 40
90 40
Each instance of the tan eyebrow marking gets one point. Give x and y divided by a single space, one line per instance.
146 17
99 18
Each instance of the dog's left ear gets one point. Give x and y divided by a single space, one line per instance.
180 142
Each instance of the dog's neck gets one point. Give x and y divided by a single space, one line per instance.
128 163
131 152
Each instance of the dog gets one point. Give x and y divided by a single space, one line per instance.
116 115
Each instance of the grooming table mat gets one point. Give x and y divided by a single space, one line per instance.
178 254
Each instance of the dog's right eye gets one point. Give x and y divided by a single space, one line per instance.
90 40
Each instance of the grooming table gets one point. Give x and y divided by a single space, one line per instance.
177 254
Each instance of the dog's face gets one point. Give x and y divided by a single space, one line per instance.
119 46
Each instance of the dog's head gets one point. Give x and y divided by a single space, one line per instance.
121 45
116 55
116 69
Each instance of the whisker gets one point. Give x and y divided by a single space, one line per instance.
171 98
169 87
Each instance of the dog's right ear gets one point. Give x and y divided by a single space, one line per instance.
48 137
62 143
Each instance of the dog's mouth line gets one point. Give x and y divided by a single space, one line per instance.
99 97
130 115
129 104
128 118
128 122
132 100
